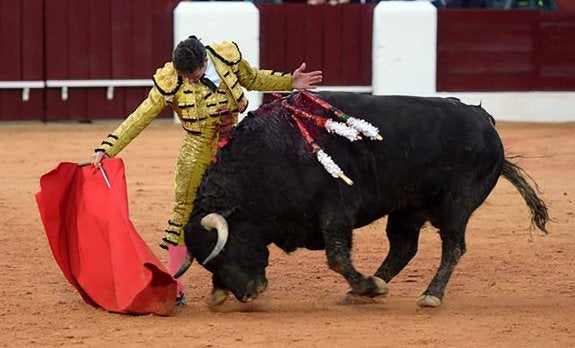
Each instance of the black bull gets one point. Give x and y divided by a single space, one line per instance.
438 161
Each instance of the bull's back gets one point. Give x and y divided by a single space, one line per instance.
431 148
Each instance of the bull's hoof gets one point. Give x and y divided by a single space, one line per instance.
428 301
377 288
219 296
381 285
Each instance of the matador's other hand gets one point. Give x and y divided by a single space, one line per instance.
305 80
97 157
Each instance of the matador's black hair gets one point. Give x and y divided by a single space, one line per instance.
189 55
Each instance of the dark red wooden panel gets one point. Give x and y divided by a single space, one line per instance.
79 57
332 46
11 40
485 50
33 108
335 39
99 38
10 104
56 40
134 97
565 5
366 33
295 36
33 40
272 34
349 34
122 39
57 56
21 52
555 51
313 38
505 51
162 33
141 56
10 52
33 57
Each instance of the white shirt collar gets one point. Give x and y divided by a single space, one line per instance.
211 73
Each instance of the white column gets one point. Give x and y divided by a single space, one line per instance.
404 48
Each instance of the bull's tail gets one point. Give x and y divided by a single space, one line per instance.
516 175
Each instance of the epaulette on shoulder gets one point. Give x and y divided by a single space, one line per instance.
226 51
167 80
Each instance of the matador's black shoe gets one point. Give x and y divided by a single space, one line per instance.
181 300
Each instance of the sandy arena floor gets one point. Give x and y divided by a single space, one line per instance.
513 288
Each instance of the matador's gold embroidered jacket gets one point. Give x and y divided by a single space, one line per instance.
195 103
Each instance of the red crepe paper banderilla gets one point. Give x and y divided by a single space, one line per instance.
351 128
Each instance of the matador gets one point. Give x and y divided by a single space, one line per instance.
204 85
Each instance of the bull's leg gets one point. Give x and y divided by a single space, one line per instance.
337 233
452 248
403 235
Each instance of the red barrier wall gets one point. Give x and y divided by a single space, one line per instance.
21 49
505 51
90 39
104 39
478 50
335 39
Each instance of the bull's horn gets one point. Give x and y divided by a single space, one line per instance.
187 263
218 222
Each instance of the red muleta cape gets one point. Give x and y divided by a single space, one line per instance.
96 245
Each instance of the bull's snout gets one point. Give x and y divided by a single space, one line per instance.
254 289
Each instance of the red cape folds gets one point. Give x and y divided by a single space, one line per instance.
95 243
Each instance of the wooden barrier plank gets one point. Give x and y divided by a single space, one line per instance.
295 36
33 40
162 33
122 50
10 104
350 36
313 39
10 69
332 46
162 40
11 40
491 52
366 35
272 34
56 43
79 57
99 39
33 58
122 40
555 50
100 63
141 56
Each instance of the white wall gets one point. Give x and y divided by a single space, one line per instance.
403 49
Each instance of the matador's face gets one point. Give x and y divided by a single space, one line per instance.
197 74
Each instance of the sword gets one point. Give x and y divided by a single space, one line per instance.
101 167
